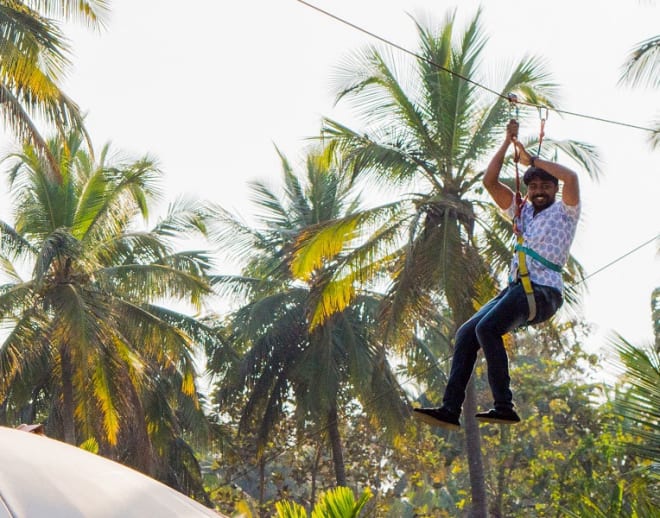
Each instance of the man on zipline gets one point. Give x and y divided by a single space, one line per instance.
545 229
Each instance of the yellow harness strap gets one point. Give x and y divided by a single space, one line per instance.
523 273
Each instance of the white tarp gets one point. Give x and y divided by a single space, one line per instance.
44 478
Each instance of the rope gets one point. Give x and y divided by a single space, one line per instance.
514 114
542 130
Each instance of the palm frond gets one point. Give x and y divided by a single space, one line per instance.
13 244
136 183
336 288
91 202
585 155
121 248
364 154
15 298
126 190
574 285
192 262
188 217
451 100
639 404
28 38
322 242
158 280
239 287
370 74
530 80
642 67
150 332
654 138
340 502
496 239
199 331
16 360
272 211
102 385
92 12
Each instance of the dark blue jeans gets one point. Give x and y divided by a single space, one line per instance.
485 329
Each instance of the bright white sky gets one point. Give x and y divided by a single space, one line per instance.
209 87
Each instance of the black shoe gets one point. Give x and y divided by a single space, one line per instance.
494 415
440 417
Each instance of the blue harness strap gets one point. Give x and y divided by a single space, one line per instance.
537 257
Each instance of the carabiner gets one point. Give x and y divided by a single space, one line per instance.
543 110
513 106
542 128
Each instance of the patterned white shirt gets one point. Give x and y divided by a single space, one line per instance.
550 234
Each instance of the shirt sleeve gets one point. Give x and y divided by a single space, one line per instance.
510 212
572 211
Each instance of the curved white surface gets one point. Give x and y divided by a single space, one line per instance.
45 478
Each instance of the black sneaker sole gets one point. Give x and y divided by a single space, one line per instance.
435 422
497 420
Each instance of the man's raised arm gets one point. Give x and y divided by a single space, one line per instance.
500 193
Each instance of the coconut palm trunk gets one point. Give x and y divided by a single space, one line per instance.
315 472
68 420
335 444
460 302
479 507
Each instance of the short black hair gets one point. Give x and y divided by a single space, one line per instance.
541 174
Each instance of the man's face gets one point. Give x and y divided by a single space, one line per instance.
541 193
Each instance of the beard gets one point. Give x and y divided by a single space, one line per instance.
542 201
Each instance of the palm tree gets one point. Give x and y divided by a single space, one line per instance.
639 403
286 360
429 129
34 56
89 345
642 68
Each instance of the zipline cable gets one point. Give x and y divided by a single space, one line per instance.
464 78
657 236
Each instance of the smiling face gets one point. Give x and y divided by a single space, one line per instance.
541 193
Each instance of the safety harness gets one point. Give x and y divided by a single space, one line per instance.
522 251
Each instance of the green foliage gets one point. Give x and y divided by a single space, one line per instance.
288 509
427 130
89 349
638 400
92 350
614 498
641 69
288 366
35 56
335 503
90 445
